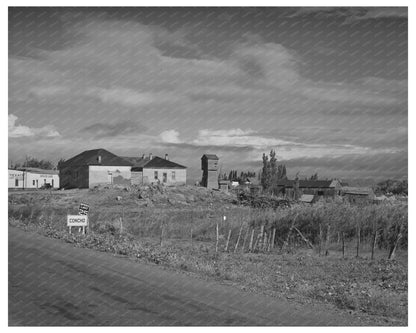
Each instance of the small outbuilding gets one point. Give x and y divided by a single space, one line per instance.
358 194
319 188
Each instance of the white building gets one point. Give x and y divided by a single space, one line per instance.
154 169
33 178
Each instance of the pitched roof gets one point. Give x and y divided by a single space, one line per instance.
210 157
154 163
305 183
357 190
90 157
315 183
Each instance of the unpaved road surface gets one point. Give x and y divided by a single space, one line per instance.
54 283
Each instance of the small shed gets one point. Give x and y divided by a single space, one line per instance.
224 185
358 194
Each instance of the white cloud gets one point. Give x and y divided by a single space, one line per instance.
17 131
234 137
170 136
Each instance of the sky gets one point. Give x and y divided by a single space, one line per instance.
324 87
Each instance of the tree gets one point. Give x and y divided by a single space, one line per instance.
32 162
392 186
314 177
60 163
265 173
271 172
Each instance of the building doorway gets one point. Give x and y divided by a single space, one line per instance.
165 177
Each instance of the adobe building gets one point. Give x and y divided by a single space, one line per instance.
95 167
209 166
32 178
154 169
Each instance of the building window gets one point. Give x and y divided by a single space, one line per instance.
34 182
173 175
165 177
156 175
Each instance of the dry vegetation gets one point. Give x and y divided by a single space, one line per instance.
330 252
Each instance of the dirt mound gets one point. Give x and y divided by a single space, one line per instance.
180 195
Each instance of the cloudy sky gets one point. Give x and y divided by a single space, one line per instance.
325 87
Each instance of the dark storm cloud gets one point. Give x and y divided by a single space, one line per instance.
102 130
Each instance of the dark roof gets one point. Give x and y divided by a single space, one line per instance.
90 157
305 183
155 163
210 157
137 162
357 190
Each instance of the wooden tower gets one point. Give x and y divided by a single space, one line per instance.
209 166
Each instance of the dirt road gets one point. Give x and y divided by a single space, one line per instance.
53 283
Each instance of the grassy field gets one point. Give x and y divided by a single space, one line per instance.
307 254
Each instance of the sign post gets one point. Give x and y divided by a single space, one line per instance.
83 209
77 221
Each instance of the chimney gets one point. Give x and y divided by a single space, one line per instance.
99 159
150 156
166 157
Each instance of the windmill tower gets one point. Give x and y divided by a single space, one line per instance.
209 166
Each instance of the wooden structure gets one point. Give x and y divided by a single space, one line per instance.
318 188
209 166
358 195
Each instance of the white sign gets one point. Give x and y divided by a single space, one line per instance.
77 220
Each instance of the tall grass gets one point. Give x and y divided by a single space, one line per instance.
321 227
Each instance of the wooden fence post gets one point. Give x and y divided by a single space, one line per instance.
320 239
265 240
245 238
343 244
161 235
273 237
393 248
358 239
374 243
328 235
250 247
260 237
228 240
216 243
238 238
